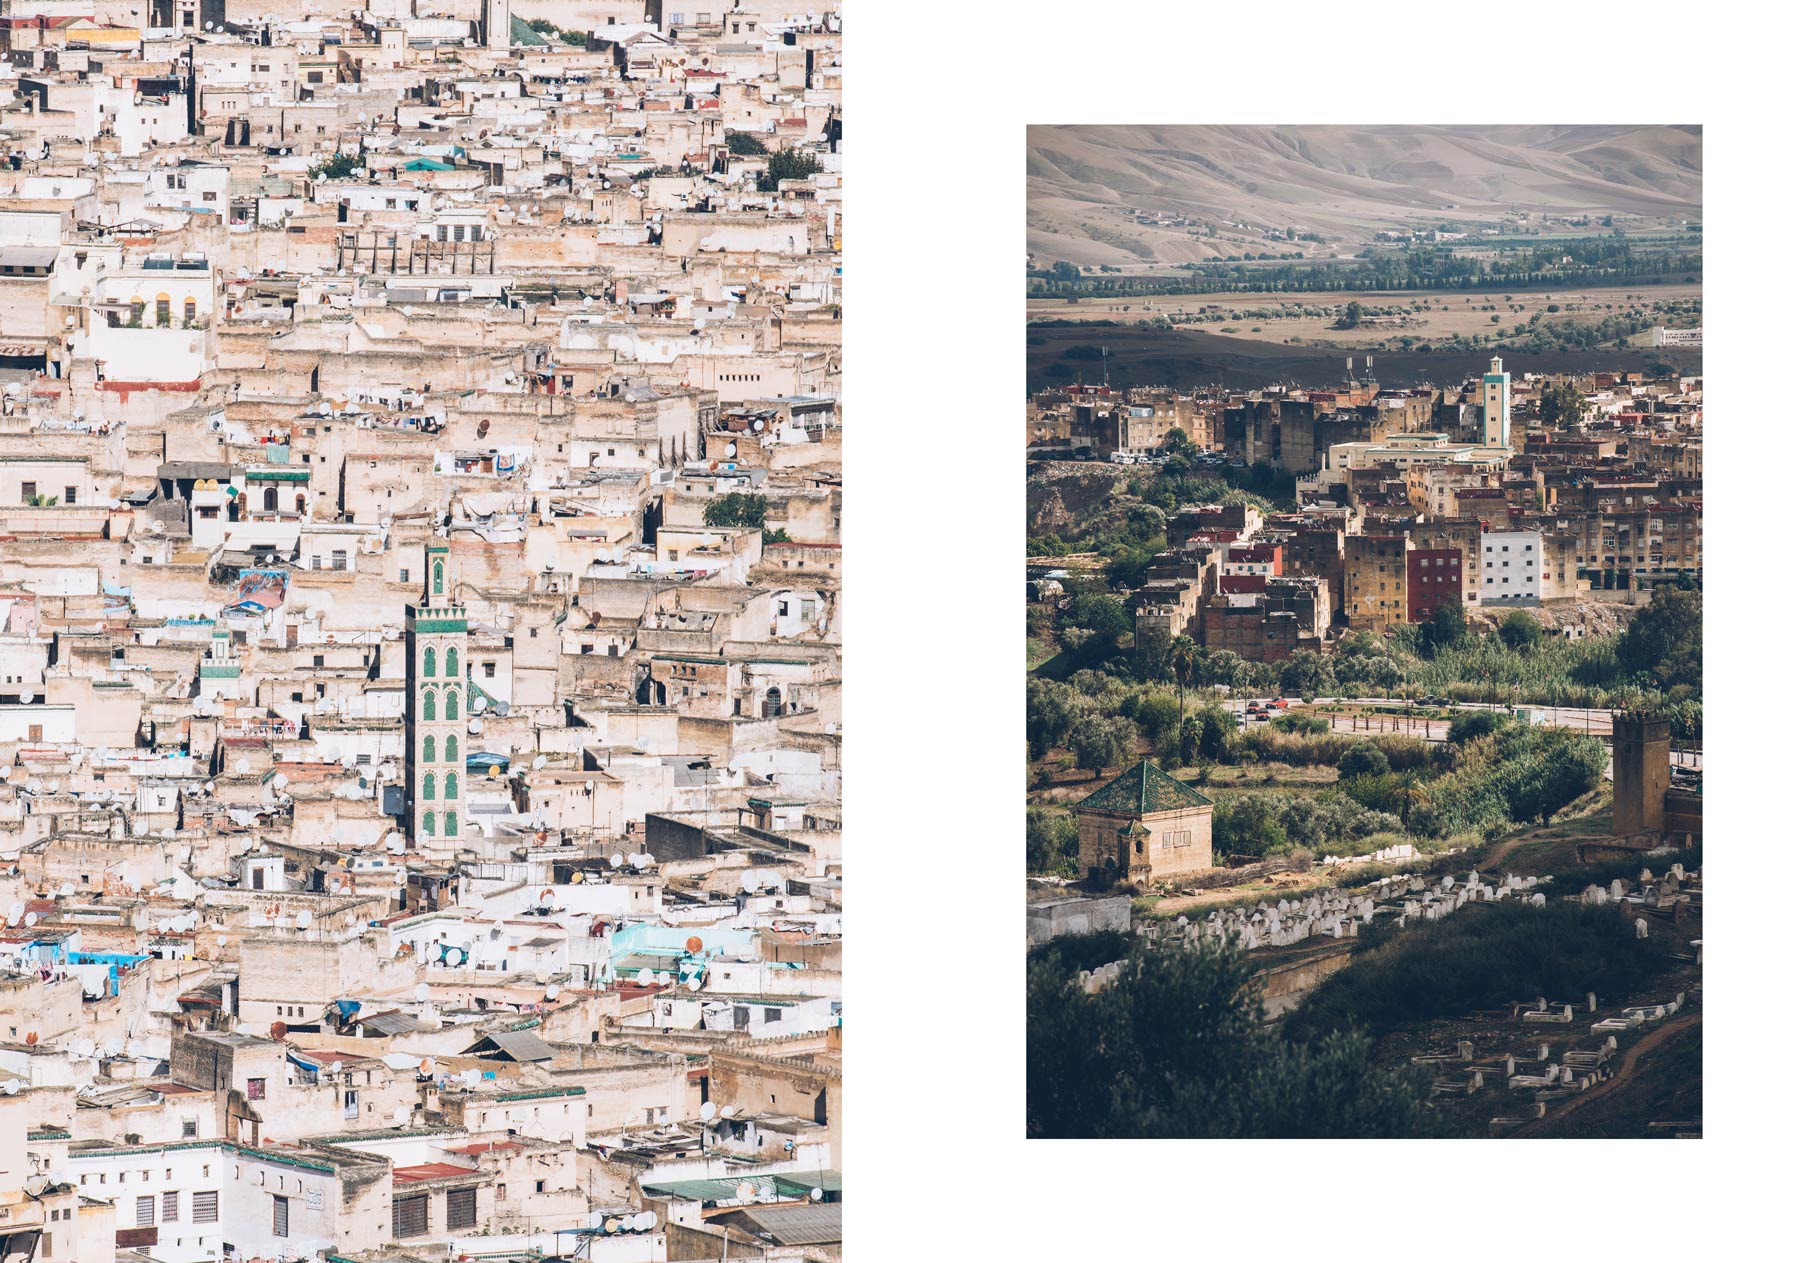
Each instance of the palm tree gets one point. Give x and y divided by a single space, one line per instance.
1184 660
1413 795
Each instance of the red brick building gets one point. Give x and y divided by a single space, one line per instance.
1433 576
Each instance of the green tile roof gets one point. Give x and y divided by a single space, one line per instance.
1146 788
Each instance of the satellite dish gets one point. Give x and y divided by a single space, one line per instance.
209 787
693 984
280 781
695 944
422 992
304 919
616 860
478 704
11 1087
746 1191
27 697
730 1111
662 978
552 991
817 1195
243 766
34 1185
644 1220
708 1111
539 762
31 918
68 888
475 726
426 1066
645 977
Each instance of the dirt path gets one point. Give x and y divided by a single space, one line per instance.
1627 1063
1506 846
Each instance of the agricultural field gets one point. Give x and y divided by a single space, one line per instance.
1308 319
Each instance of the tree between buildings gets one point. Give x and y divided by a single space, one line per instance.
738 508
787 164
339 166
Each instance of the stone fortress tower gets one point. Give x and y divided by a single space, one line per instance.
437 634
1640 772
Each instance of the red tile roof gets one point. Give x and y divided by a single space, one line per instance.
428 1171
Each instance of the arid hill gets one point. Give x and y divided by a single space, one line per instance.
1343 183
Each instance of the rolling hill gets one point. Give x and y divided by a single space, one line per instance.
1087 187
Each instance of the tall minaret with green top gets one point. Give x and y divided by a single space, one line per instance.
437 634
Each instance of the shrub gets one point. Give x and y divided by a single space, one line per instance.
1480 958
1365 758
1474 723
1051 841
1178 1047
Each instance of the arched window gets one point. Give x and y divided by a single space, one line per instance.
450 824
271 500
449 704
450 785
437 578
450 662
430 753
430 786
430 663
450 748
190 311
430 823
430 704
162 311
137 311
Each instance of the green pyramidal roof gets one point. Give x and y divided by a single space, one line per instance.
1146 788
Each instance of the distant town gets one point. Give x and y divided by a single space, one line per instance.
1331 691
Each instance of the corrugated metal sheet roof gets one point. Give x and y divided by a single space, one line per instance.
791 1225
518 1045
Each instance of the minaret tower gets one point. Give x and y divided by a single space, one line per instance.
1496 406
437 634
